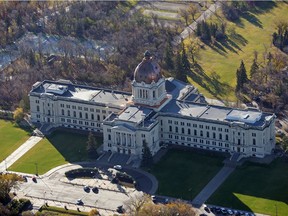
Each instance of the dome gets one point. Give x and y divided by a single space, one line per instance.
148 70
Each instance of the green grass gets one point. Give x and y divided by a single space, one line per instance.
253 32
11 137
59 148
183 174
257 188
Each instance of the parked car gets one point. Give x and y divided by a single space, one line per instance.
230 212
223 211
117 167
207 209
95 190
120 209
86 188
79 202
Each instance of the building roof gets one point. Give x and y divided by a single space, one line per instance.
216 113
82 93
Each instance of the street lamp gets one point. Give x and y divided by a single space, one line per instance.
36 166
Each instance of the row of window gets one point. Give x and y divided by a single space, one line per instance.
80 115
82 108
195 125
80 122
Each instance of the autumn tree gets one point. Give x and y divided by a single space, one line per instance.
92 146
135 204
18 115
7 182
185 15
192 10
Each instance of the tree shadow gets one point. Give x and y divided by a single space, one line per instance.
264 6
238 38
211 83
250 17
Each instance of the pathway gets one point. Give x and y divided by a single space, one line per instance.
192 27
212 186
25 147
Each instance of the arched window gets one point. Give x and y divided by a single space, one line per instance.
74 114
68 112
183 131
227 137
189 131
86 115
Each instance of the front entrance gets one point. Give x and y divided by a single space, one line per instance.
238 149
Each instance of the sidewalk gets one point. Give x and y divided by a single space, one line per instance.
212 186
25 147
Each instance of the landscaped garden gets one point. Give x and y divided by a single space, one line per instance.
57 149
183 174
258 188
11 137
251 34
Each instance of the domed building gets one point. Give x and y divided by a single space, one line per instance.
148 86
159 111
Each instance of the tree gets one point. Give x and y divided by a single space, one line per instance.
184 58
192 10
147 158
179 70
92 146
93 212
7 182
168 53
136 203
18 115
193 49
241 76
185 14
254 68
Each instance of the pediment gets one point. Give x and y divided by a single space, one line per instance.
124 128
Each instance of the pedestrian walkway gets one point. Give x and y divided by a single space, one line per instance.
212 186
25 147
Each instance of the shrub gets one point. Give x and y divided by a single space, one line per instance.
124 177
81 173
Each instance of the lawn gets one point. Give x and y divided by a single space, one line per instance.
261 189
183 174
59 148
253 32
11 137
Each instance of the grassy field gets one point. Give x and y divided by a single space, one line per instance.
60 148
183 174
52 210
261 189
253 32
11 137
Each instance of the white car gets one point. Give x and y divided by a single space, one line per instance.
117 167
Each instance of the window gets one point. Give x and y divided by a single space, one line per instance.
207 127
183 131
143 135
207 142
91 110
86 115
74 122
254 149
74 114
201 141
189 131
214 135
80 114
253 134
254 141
79 108
195 132
176 137
73 107
176 129
182 138
169 121
61 105
97 110
213 128
170 128
38 108
37 116
188 139
220 144
219 129
161 122
213 143
109 136
80 122
194 140
67 106
226 137
103 111
92 116
98 117
207 134
226 145
188 124
104 117
201 133
220 136
200 126
195 125
37 101
176 122
85 109
226 130
170 136
62 119
92 124
182 123
86 123
62 111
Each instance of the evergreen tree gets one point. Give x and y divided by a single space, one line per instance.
147 158
179 70
254 68
92 146
168 54
184 58
241 75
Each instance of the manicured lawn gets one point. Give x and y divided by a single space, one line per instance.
11 137
60 148
261 189
183 174
252 33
